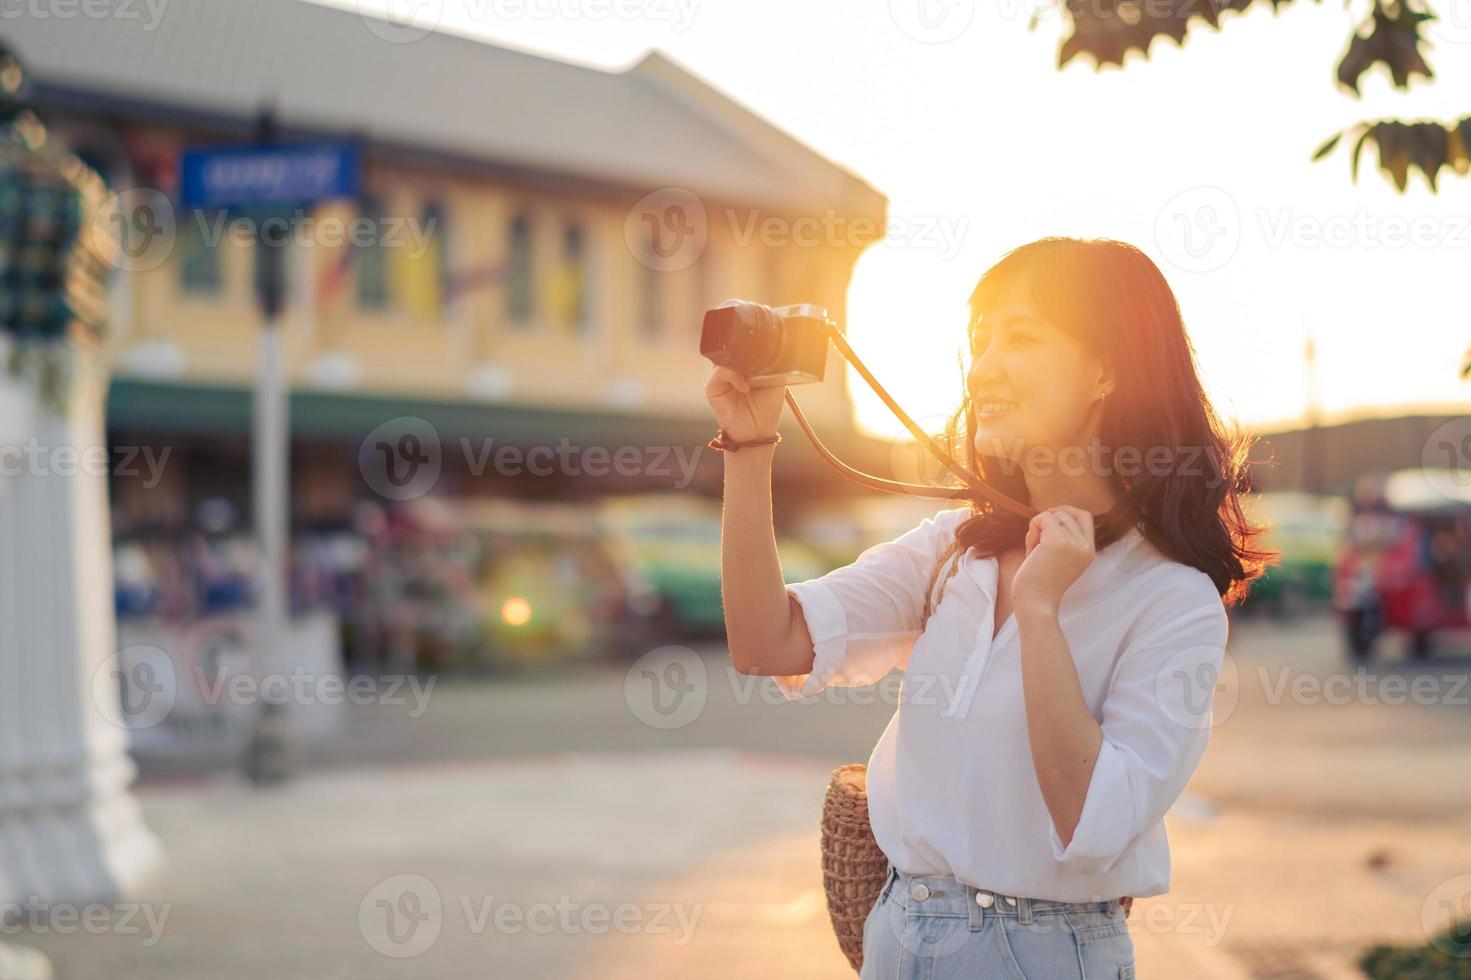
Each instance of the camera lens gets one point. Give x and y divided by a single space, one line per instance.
743 336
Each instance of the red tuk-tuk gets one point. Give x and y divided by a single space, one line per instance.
1406 561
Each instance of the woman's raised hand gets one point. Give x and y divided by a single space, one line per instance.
742 411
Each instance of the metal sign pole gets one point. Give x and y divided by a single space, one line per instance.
267 176
270 755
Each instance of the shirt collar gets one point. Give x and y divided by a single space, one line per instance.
1110 561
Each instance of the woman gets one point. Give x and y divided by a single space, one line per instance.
1059 670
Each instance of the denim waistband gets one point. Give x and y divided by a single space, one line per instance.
948 896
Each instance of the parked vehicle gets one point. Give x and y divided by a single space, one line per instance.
670 545
446 583
1308 529
842 530
546 584
1406 564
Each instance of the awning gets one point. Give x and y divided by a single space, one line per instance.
142 406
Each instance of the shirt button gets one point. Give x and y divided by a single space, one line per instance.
919 891
985 899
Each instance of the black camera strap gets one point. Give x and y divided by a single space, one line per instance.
974 484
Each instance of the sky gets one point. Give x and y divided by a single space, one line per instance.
1200 156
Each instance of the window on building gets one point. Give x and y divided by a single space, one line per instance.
368 258
200 265
572 285
435 234
520 282
424 265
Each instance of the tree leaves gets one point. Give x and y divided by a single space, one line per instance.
1327 147
1426 146
1108 30
1392 40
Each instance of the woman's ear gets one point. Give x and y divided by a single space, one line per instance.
1105 383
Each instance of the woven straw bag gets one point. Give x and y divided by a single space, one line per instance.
853 867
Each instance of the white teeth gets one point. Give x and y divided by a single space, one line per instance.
996 406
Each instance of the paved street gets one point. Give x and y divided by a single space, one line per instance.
544 827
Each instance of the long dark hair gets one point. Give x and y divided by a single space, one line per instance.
1186 496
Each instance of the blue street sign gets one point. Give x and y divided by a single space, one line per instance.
271 174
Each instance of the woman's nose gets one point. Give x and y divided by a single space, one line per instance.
984 370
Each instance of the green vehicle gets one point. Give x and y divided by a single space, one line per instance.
669 547
1308 530
842 530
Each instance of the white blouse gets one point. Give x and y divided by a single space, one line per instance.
951 786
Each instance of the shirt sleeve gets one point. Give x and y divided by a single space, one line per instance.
865 616
1156 723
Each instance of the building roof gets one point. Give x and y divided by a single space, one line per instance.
328 70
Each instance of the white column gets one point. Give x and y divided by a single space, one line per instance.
70 829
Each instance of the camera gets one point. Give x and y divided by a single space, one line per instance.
769 346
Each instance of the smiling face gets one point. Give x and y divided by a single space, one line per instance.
1032 383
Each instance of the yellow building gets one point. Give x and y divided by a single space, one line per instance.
536 240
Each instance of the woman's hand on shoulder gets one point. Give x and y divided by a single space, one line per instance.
1059 548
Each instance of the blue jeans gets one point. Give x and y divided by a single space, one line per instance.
933 927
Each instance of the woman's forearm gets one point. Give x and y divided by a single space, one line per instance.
763 626
1065 738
